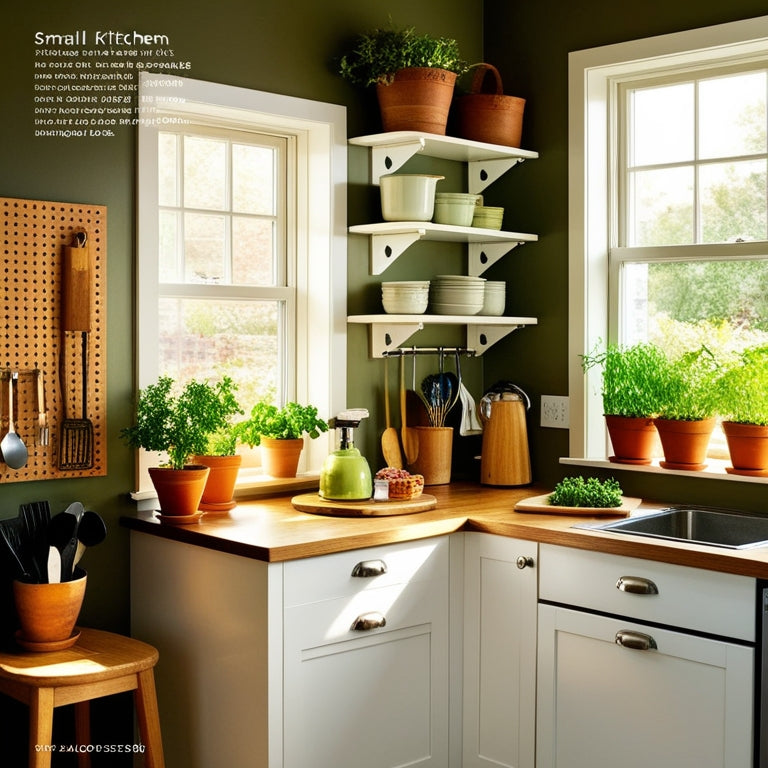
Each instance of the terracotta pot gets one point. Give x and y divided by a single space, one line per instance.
48 612
435 453
634 439
220 485
179 491
418 99
685 443
280 458
748 447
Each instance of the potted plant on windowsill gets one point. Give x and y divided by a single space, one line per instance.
686 415
631 392
224 463
742 401
280 433
179 426
414 74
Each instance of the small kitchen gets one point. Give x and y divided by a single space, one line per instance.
478 538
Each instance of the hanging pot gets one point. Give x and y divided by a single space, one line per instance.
684 442
748 448
418 99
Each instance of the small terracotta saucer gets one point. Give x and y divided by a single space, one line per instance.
55 645
179 519
638 462
217 508
747 472
673 465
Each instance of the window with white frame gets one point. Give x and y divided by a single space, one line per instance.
668 191
242 247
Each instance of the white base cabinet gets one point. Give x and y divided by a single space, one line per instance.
297 664
613 691
499 651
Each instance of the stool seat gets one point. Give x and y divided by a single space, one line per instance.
98 664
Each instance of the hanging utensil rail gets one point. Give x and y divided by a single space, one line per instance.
403 351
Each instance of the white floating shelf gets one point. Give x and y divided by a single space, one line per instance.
485 162
388 332
390 239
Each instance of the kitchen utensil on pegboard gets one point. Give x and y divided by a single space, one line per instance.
14 451
76 442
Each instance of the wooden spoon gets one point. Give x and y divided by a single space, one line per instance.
390 443
409 435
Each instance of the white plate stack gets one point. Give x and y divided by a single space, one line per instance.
408 297
457 295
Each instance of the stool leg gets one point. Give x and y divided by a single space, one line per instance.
40 727
145 697
83 732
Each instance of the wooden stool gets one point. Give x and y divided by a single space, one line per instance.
99 664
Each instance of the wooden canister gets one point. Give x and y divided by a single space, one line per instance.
434 458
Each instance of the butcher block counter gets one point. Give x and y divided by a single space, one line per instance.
271 530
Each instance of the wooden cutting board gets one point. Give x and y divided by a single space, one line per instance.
312 502
541 505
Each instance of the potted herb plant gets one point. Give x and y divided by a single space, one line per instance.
179 425
686 415
224 463
742 401
631 392
414 74
280 433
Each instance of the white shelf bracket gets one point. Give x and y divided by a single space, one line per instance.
389 158
482 173
485 255
387 248
386 337
483 337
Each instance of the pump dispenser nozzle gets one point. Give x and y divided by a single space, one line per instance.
346 475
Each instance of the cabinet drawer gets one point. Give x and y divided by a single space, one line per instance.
691 598
331 576
401 607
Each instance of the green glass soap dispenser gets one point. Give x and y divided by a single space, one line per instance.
345 475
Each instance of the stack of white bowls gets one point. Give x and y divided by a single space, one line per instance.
457 295
409 297
495 298
456 208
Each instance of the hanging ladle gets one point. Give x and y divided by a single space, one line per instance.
14 451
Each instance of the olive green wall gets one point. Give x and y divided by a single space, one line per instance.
529 43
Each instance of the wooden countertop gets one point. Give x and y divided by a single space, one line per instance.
273 531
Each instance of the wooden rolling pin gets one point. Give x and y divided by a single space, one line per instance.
76 286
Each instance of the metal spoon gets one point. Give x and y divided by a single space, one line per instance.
14 451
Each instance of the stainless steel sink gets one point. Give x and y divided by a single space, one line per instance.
697 525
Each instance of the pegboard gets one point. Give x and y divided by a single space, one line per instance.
37 240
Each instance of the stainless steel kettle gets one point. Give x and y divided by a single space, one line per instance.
505 457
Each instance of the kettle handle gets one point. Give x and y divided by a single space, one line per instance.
519 391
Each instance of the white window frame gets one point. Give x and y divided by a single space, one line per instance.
592 79
319 131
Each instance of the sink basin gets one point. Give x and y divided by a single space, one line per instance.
697 525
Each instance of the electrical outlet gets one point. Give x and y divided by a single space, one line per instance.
554 411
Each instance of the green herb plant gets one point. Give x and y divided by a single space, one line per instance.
378 54
180 425
289 422
689 386
633 378
578 492
742 388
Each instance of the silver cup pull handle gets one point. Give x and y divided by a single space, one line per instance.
637 585
367 569
638 641
368 621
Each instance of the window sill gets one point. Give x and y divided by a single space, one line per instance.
715 469
250 485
